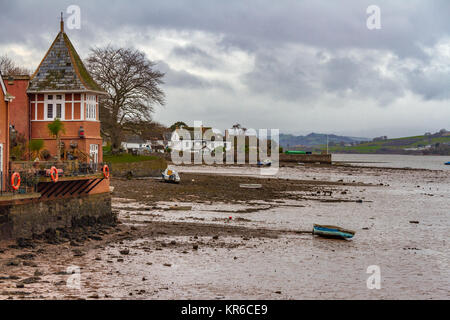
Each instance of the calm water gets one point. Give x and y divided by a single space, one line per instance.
395 161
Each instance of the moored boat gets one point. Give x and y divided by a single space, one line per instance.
333 232
447 163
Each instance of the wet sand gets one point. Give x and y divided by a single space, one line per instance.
207 238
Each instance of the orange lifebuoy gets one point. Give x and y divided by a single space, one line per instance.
54 174
106 171
15 185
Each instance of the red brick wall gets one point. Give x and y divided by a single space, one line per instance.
19 107
39 130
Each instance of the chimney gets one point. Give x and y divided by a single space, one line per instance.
62 22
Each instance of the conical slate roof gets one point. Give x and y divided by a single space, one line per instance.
62 69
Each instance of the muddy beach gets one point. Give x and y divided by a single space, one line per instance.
208 238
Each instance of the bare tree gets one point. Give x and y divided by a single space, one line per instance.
239 129
145 129
133 87
9 67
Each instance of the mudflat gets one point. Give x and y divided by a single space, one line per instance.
208 238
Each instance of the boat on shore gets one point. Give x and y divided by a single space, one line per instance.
264 163
332 232
171 176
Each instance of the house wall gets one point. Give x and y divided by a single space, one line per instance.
4 136
39 130
18 108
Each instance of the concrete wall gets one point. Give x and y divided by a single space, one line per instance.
306 158
27 217
152 168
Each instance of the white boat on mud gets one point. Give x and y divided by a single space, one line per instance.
265 163
171 176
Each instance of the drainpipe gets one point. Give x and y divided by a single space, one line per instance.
29 123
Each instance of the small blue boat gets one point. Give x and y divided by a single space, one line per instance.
447 163
332 232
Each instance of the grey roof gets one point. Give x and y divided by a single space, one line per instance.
134 139
62 69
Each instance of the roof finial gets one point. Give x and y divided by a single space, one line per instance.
62 22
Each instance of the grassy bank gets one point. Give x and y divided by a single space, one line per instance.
397 146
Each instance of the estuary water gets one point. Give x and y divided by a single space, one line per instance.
394 161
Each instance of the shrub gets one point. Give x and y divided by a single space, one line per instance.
36 145
46 155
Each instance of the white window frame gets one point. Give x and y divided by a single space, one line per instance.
93 151
91 107
54 102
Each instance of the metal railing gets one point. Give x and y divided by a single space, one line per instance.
32 173
28 183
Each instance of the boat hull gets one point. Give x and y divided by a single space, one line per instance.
332 232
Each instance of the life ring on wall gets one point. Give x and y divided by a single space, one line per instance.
54 174
106 171
15 185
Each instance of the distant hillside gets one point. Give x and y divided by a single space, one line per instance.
314 139
437 143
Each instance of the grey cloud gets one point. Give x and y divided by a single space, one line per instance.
430 85
287 80
328 24
184 79
265 30
361 79
196 56
304 78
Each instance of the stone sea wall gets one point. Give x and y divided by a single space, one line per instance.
26 218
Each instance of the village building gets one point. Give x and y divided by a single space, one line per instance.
195 140
38 195
5 101
62 88
136 144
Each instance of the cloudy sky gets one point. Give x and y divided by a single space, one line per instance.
299 66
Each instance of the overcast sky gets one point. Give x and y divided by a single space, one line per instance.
298 66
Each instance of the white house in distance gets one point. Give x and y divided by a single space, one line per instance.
137 144
196 141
